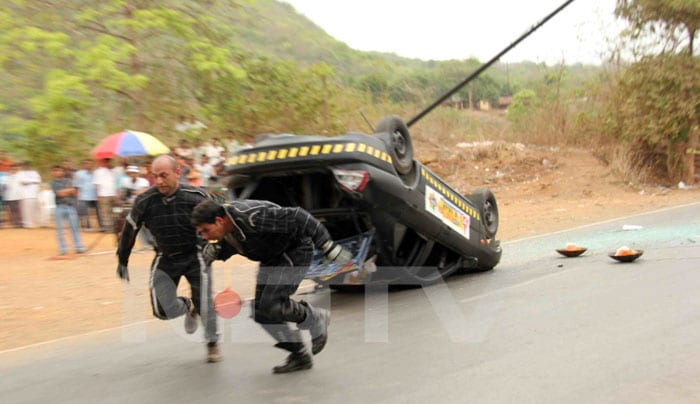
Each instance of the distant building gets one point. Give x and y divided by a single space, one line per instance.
455 102
504 102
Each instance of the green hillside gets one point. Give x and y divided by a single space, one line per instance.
77 70
275 29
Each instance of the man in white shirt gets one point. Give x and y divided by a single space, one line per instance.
198 150
105 186
214 150
132 185
31 185
182 125
87 196
206 170
13 195
184 150
119 172
195 126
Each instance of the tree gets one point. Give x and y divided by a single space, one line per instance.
44 103
137 64
375 84
279 96
656 103
126 46
663 89
525 102
677 21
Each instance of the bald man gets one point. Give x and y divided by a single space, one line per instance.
166 210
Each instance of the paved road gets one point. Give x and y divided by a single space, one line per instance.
539 328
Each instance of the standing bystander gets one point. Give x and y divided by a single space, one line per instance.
132 185
206 170
106 190
249 142
182 124
147 173
183 150
87 197
119 172
5 164
3 179
31 185
13 196
65 193
214 150
195 126
198 150
68 168
186 165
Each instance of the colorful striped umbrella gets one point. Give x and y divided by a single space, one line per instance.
129 143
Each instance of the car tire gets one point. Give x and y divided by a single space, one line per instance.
394 133
488 209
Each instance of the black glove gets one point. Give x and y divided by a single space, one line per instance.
210 252
123 272
336 254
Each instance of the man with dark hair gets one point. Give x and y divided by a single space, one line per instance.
65 193
68 168
87 195
106 191
29 203
283 240
13 195
165 209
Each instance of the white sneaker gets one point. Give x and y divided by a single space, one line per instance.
213 353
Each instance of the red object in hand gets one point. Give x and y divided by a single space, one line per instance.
227 303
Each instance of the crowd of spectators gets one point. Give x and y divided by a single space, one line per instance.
202 163
27 201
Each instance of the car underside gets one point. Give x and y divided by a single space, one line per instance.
354 188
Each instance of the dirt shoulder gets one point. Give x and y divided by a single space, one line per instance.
538 191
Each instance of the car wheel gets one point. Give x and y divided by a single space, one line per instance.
394 132
486 203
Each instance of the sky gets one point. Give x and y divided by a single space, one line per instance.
460 29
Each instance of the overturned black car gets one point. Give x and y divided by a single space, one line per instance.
359 185
411 226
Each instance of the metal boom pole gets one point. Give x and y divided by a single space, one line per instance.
487 64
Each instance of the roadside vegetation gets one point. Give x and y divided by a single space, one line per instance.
74 71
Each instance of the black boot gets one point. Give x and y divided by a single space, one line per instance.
317 321
297 360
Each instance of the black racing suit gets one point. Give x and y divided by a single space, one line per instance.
283 240
178 253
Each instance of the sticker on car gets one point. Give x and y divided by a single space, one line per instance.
447 212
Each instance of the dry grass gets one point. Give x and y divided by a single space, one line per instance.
633 164
494 138
623 163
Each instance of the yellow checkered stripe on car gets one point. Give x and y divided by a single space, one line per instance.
293 152
455 198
